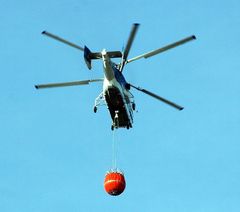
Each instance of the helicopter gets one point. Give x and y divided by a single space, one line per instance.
116 93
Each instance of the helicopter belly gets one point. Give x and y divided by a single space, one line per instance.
116 102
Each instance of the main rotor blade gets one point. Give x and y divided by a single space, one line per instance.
129 44
65 84
130 40
163 49
158 97
62 40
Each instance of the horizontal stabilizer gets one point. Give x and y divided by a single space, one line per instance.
114 54
95 55
98 55
89 56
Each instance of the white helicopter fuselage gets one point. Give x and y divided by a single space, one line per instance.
116 92
117 96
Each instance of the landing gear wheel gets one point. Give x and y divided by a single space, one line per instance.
95 109
112 127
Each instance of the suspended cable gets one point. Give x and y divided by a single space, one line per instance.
114 157
114 142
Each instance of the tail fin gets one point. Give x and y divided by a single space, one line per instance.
87 57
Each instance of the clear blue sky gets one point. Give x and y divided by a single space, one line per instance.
54 151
